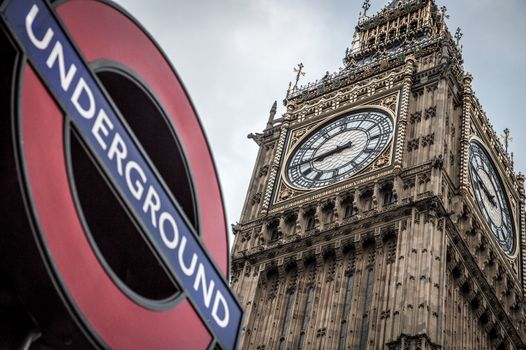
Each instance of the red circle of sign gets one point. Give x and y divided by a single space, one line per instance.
104 33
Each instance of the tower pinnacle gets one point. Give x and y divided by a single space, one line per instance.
366 6
272 114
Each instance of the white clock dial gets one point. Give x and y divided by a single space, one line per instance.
491 197
339 149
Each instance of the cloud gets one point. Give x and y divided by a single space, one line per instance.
236 58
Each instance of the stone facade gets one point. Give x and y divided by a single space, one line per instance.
398 256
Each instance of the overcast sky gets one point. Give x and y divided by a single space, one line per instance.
236 57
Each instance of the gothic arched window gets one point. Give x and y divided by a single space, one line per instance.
286 319
310 222
350 210
364 329
389 196
273 230
345 315
306 316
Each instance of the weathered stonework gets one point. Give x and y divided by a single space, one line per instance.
397 256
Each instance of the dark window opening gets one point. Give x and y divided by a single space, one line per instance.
389 197
311 223
350 210
274 234
273 230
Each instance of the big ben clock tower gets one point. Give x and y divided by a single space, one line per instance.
383 212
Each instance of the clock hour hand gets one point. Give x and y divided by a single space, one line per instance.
486 191
324 155
338 149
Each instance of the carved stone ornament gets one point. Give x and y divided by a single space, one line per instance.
430 112
408 182
390 102
415 118
285 192
296 135
424 178
428 140
256 198
263 171
413 144
384 159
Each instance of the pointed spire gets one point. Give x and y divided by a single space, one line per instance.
355 41
445 15
458 35
272 114
366 6
289 89
507 139
443 10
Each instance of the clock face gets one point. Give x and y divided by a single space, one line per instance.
339 149
491 197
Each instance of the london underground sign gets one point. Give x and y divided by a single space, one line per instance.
62 45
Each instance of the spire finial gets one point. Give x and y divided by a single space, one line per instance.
299 72
458 35
443 10
366 6
289 89
355 40
507 139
